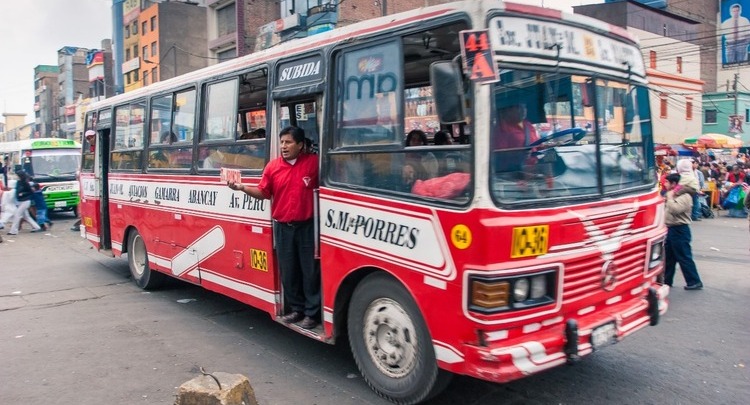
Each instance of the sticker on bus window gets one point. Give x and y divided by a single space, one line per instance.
530 241
259 259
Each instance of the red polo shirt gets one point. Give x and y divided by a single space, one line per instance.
291 186
515 135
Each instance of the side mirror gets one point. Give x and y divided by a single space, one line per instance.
447 89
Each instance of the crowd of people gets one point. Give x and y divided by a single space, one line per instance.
719 184
691 188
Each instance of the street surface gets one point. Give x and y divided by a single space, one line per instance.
74 330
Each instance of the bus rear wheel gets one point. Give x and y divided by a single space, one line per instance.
142 274
391 344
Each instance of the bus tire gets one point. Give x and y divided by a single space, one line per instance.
391 344
75 211
142 274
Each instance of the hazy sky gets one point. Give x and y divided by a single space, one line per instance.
33 30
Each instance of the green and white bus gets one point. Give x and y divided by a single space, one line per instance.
53 163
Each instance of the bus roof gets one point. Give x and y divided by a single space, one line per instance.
365 28
38 143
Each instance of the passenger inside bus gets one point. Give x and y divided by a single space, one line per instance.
515 131
425 159
168 138
513 138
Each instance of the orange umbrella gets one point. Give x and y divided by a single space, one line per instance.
713 141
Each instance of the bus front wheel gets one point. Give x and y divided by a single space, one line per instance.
143 276
391 344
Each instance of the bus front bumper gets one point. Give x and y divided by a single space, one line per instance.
565 342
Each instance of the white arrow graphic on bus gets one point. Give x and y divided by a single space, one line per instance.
204 247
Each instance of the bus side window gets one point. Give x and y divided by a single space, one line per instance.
128 144
235 123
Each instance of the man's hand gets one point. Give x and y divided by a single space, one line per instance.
236 186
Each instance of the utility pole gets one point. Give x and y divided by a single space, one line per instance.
736 98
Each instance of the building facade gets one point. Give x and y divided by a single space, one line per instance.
240 27
14 128
73 84
45 100
158 44
673 64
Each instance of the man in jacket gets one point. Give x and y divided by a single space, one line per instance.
678 207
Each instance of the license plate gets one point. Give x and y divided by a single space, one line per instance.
604 335
61 204
530 241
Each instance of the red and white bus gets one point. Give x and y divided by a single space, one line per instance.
469 258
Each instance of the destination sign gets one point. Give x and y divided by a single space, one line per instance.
553 40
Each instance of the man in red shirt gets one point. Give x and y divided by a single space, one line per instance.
291 179
515 130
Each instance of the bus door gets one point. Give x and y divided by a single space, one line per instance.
103 179
302 112
93 208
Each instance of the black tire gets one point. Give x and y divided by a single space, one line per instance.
391 344
75 211
142 274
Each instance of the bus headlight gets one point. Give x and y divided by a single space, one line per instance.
657 254
495 294
521 290
538 287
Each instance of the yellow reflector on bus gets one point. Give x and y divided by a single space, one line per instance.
490 294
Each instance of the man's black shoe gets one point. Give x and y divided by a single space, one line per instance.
696 286
308 323
292 317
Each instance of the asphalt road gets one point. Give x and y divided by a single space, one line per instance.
75 330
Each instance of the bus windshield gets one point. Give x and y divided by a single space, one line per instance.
559 136
53 164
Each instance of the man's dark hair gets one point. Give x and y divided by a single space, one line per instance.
673 178
298 134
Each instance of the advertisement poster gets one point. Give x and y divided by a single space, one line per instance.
734 31
735 124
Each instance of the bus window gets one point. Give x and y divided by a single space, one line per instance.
303 115
161 120
379 100
221 111
234 123
184 115
129 131
88 144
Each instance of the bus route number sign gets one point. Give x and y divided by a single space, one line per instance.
529 241
477 55
259 259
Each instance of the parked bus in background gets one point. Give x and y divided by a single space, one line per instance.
53 163
501 262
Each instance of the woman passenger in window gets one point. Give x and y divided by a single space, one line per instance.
424 159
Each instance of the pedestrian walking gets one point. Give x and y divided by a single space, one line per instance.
24 193
678 203
41 207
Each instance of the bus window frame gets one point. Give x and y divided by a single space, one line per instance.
132 151
233 144
395 148
178 145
